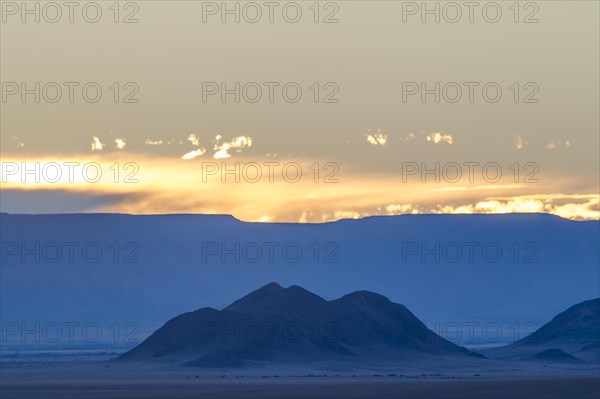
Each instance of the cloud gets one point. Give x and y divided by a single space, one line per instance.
19 144
377 138
96 144
194 139
150 142
120 143
398 209
437 138
304 216
337 215
237 144
571 206
410 136
555 144
194 154
519 142
164 187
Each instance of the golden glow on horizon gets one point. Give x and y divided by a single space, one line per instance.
167 185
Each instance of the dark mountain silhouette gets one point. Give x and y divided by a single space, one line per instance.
276 325
554 355
578 324
571 335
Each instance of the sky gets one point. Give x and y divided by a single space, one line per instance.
345 110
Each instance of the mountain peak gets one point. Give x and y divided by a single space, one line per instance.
272 287
365 297
259 299
273 295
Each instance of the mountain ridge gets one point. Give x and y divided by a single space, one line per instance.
362 327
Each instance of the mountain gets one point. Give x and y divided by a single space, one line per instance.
151 267
572 335
578 324
276 325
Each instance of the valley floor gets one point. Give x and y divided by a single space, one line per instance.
112 381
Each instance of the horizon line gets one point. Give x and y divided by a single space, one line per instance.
509 214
